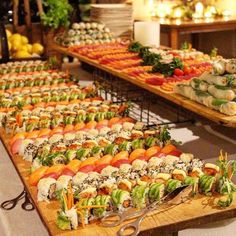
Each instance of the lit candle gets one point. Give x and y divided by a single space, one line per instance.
177 13
226 13
199 9
147 33
208 14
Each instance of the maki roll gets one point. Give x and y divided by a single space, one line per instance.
193 181
85 207
162 177
140 196
46 189
172 184
179 174
102 200
211 169
125 184
121 199
67 220
156 192
89 192
207 184
63 182
107 187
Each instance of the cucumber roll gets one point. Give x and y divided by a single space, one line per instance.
140 196
121 199
206 184
103 200
172 184
156 192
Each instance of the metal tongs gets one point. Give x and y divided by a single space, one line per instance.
178 196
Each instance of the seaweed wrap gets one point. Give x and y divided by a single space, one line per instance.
207 184
156 192
140 196
121 199
172 184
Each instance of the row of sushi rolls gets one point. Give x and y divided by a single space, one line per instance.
88 154
215 89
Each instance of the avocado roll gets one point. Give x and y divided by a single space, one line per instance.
156 192
207 184
46 189
172 184
120 199
225 186
85 202
111 149
193 181
103 200
140 196
67 220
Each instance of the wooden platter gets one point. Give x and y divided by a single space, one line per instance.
197 108
198 210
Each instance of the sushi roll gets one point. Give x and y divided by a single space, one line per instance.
179 174
211 169
89 192
120 199
79 178
193 181
186 157
85 206
125 184
156 192
207 184
162 177
63 182
196 172
172 184
67 220
140 196
102 200
230 66
107 187
46 189
109 171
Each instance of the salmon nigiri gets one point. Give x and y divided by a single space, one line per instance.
137 153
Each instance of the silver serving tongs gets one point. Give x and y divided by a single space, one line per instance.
178 196
109 221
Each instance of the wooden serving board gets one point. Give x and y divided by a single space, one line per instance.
198 210
195 107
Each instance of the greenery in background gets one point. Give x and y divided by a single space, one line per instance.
155 60
56 14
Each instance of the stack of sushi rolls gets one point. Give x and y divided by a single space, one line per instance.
141 194
86 33
30 79
24 66
216 90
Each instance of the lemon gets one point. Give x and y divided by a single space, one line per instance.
22 54
23 48
15 37
29 47
24 40
37 48
16 45
8 33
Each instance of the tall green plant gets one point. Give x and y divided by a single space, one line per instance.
56 13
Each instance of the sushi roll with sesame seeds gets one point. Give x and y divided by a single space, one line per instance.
46 189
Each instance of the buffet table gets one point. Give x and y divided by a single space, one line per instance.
199 109
175 28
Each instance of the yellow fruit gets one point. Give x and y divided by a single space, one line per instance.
24 48
37 48
15 37
22 54
29 48
16 45
24 40
8 32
